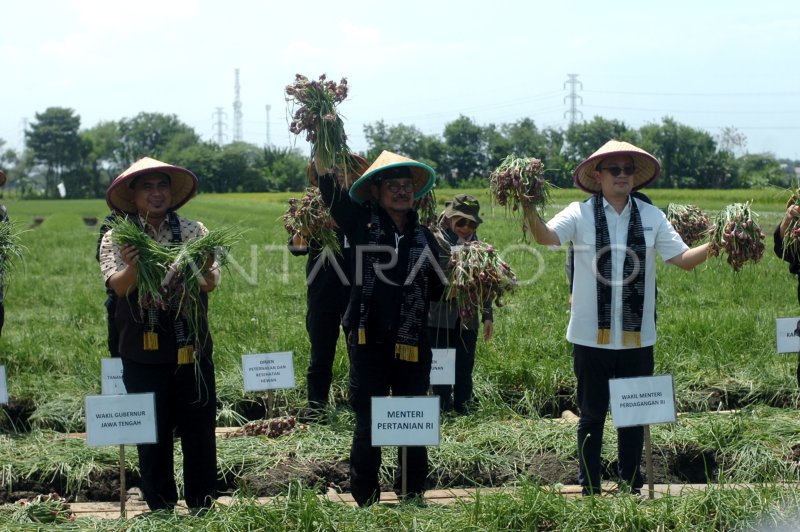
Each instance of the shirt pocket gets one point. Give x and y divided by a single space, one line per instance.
649 239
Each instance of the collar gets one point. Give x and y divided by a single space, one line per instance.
164 225
607 206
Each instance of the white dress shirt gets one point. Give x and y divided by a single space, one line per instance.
576 224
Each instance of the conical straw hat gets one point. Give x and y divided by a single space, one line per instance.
183 184
423 176
647 166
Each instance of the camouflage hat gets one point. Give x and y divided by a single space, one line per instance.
465 206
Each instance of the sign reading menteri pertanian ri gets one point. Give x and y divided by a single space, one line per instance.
787 334
443 366
3 386
111 380
120 419
405 421
642 401
268 371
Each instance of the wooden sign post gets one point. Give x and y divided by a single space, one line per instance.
403 422
643 401
268 371
120 420
111 384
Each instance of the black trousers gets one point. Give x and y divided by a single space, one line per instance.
113 333
464 341
593 368
374 371
323 328
2 316
185 398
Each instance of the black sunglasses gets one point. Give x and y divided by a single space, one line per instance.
461 222
615 171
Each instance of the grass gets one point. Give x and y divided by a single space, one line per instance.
716 337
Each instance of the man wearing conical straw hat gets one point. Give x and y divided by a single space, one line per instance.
396 275
612 319
3 219
156 354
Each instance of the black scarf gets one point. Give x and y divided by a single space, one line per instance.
415 293
185 344
633 277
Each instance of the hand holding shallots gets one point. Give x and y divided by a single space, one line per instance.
736 232
310 218
314 111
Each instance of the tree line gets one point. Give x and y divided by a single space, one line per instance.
85 161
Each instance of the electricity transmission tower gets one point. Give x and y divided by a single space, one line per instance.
219 124
237 112
573 97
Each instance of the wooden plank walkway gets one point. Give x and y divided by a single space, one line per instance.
134 506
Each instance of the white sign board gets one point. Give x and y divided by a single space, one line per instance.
268 371
111 383
3 386
642 401
443 366
405 421
120 419
788 340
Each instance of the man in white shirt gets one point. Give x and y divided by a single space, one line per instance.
612 319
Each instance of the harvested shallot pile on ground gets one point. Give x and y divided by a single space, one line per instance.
46 509
736 233
310 218
312 105
478 277
271 428
689 221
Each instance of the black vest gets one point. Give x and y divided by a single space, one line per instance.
131 321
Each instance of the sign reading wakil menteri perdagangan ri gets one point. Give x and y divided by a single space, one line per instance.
642 401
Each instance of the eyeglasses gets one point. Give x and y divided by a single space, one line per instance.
394 186
615 171
461 222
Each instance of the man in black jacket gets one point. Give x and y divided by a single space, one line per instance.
395 277
328 281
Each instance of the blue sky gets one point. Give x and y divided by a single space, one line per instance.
707 64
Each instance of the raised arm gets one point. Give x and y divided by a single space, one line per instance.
344 210
541 233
